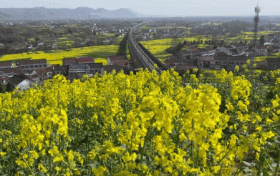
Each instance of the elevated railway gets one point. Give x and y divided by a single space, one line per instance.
141 55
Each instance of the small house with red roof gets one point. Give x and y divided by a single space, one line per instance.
85 60
118 60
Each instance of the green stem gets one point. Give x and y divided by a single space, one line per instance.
277 166
131 144
143 149
24 160
225 155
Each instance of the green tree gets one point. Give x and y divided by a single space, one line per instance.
262 40
10 87
1 88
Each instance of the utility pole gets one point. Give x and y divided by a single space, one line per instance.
256 22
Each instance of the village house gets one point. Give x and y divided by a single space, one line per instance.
68 61
31 65
10 72
221 60
78 68
110 68
238 49
225 50
6 65
181 65
262 51
95 68
272 63
195 51
206 61
62 70
186 54
44 73
85 60
236 61
208 50
118 60
228 62
21 81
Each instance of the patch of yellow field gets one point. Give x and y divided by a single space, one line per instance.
56 56
100 60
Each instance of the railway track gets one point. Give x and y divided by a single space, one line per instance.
141 54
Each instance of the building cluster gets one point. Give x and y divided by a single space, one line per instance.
27 73
226 57
55 35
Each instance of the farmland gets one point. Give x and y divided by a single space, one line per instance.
101 53
219 123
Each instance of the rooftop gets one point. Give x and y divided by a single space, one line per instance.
110 68
6 64
273 60
85 60
114 58
16 79
29 62
95 65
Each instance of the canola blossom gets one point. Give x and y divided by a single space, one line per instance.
142 124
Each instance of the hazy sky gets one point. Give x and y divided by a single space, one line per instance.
161 7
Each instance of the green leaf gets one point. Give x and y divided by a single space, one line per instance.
247 170
247 164
92 165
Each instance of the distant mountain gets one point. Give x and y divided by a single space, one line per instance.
80 13
4 15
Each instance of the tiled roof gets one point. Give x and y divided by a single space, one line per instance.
29 62
114 58
59 68
6 64
69 61
85 60
44 70
182 61
95 65
238 58
273 60
78 66
183 52
110 68
16 70
16 79
231 58
207 58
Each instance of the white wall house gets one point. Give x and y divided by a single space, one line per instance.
24 85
